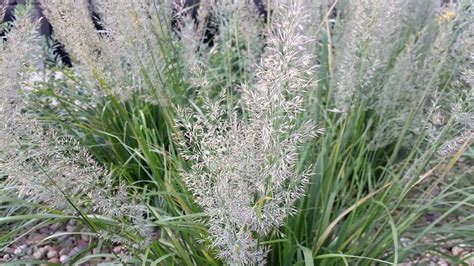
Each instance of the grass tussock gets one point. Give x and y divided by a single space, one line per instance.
315 132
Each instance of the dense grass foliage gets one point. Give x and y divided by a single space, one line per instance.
316 135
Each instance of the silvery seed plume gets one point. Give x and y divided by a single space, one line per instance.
43 166
318 10
392 75
74 28
462 114
351 43
456 126
191 34
240 20
237 30
243 170
3 8
465 46
132 35
370 35
46 168
458 117
19 54
117 55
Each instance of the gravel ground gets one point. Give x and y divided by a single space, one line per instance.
70 242
444 243
454 249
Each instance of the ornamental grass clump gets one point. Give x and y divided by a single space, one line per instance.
392 57
53 170
47 168
236 173
243 161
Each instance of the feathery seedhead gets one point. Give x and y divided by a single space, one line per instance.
243 170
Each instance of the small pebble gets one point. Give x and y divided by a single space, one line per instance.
74 251
68 242
117 249
39 254
457 250
71 222
37 238
470 261
424 261
54 260
9 250
63 252
70 228
52 254
64 258
20 250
